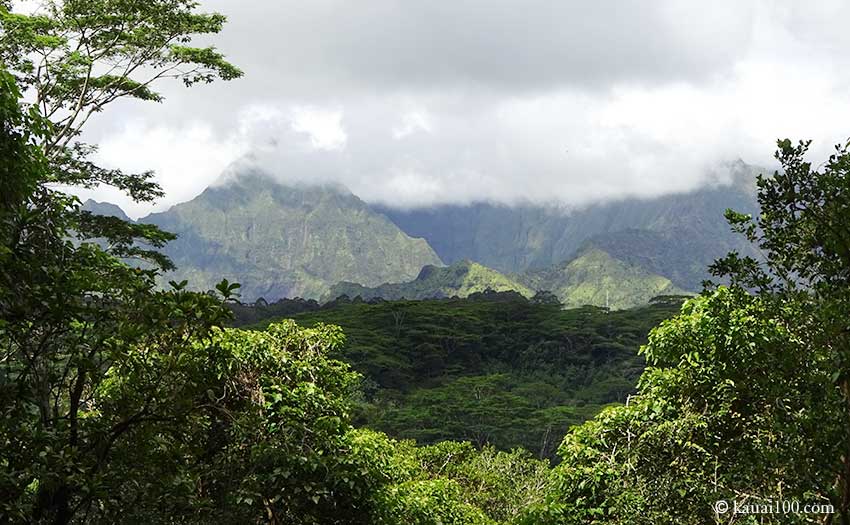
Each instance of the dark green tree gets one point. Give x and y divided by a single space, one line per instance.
75 320
745 397
729 408
803 232
92 351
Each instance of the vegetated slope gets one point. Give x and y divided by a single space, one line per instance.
593 278
461 279
596 278
495 369
675 236
681 256
286 241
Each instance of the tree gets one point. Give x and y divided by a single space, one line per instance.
78 56
91 351
270 440
804 234
93 354
745 396
73 58
453 482
545 297
729 408
124 402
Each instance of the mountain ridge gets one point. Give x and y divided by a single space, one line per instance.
531 237
315 240
285 241
594 277
461 279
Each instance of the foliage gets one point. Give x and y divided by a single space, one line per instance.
805 271
729 408
121 401
272 440
92 355
745 398
250 313
453 482
20 130
72 317
494 369
78 56
501 483
425 502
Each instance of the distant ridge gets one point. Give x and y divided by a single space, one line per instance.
318 241
461 279
105 208
596 278
676 236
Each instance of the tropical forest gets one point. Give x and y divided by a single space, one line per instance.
401 263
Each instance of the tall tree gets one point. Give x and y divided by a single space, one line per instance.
803 232
745 398
92 352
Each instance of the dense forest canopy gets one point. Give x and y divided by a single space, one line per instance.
493 369
122 402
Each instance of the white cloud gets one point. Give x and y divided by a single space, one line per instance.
557 101
411 122
323 126
185 158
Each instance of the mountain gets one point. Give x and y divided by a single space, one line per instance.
675 236
461 279
681 254
286 240
105 208
322 241
596 278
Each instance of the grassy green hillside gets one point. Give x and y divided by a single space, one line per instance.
461 279
596 278
286 241
496 369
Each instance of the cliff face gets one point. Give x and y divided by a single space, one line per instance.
286 241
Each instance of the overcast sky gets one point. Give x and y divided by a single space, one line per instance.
412 103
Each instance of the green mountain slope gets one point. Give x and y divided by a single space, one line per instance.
286 241
461 279
681 255
596 278
675 236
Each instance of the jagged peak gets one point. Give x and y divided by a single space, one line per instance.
244 173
